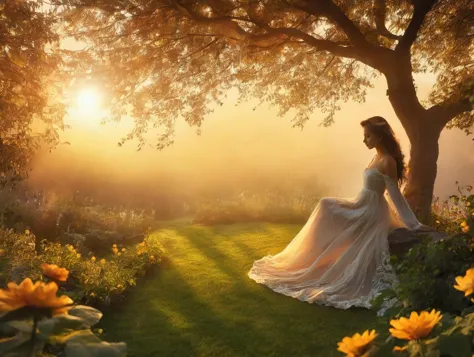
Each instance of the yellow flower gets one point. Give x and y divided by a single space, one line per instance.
356 345
92 294
468 204
438 222
102 261
124 250
119 286
152 257
99 331
141 248
466 283
464 224
39 295
115 250
119 254
417 326
114 246
400 349
465 229
27 232
93 259
54 272
78 255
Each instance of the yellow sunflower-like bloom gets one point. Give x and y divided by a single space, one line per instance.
37 295
54 272
415 327
466 283
356 345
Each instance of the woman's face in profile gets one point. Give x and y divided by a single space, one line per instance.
370 139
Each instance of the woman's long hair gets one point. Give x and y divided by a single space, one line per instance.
380 127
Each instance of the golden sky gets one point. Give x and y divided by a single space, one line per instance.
240 143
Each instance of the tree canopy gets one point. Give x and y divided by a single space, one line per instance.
164 59
31 112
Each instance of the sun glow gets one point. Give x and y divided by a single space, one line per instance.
88 101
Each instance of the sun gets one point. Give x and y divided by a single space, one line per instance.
88 100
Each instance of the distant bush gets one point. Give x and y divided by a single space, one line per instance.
270 206
450 213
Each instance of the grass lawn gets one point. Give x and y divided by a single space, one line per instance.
201 302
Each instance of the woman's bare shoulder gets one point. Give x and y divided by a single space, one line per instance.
388 166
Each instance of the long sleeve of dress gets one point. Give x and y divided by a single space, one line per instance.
400 205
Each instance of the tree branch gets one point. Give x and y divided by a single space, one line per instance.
333 12
447 112
379 13
422 7
324 45
271 37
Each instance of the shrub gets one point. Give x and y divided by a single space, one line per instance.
97 280
276 207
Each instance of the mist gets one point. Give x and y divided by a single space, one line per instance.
240 148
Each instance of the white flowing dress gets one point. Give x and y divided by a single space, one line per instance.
341 255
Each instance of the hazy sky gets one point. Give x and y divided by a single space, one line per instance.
239 143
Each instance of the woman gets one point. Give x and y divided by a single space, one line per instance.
340 257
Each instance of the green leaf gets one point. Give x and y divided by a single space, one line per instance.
12 343
84 337
454 198
88 314
60 324
87 344
455 345
22 326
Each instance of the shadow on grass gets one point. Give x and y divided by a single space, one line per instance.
202 303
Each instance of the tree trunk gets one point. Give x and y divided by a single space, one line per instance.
422 171
422 129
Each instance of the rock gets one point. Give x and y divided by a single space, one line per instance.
435 235
400 240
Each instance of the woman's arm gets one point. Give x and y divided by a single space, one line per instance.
389 169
